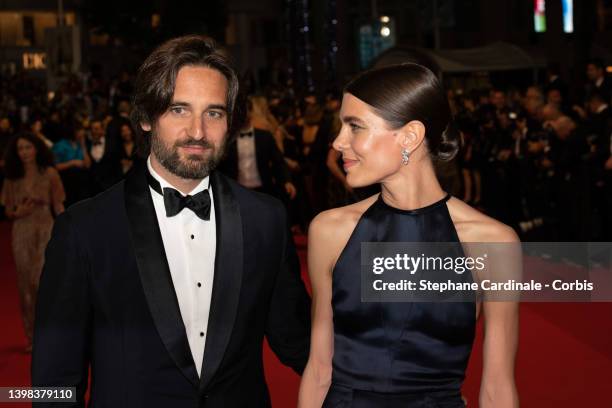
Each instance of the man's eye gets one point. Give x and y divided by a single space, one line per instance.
178 110
355 127
215 114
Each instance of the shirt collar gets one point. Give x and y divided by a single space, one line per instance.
203 185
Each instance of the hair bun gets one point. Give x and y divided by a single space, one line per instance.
449 143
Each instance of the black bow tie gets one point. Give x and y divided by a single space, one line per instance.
175 202
246 134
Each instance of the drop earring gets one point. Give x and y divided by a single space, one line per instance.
405 156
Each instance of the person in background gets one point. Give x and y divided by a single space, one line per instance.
127 151
36 127
254 160
598 81
72 161
53 126
105 167
6 133
113 124
32 194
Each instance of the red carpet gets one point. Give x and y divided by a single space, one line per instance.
564 358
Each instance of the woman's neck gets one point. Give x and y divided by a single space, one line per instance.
415 186
30 168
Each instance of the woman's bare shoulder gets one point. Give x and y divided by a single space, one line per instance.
474 226
341 217
330 230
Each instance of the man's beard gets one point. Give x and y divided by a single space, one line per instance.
194 166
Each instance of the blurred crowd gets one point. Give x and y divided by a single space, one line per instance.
536 158
539 160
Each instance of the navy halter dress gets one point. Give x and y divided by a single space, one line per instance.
397 354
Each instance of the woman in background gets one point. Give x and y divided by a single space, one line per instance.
32 194
396 122
128 152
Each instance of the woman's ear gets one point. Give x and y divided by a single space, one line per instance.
145 126
411 135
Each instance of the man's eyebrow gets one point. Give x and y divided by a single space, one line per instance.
179 103
217 106
209 107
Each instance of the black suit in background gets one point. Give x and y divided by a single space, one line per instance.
106 298
605 89
271 165
107 171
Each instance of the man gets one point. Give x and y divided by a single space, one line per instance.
499 99
596 74
554 80
167 283
253 159
113 129
105 167
599 132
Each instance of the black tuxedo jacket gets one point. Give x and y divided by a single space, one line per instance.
107 301
271 165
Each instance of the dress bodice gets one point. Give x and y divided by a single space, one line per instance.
398 347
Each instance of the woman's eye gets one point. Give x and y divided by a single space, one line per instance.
355 127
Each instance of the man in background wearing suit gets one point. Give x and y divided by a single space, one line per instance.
105 167
254 160
166 284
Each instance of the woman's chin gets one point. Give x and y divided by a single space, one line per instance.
359 182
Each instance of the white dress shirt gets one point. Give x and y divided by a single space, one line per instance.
190 244
248 175
97 150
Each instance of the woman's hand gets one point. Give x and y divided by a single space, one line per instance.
25 208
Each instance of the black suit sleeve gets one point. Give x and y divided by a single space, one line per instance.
279 167
288 323
60 354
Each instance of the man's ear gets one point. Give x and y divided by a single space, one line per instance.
145 126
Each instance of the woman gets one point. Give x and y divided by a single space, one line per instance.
395 123
72 161
32 193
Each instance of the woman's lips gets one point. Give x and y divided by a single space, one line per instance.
349 163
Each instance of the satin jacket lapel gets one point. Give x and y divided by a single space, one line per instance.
155 272
228 276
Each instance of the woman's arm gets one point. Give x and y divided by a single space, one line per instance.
317 375
58 195
21 210
86 158
498 388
